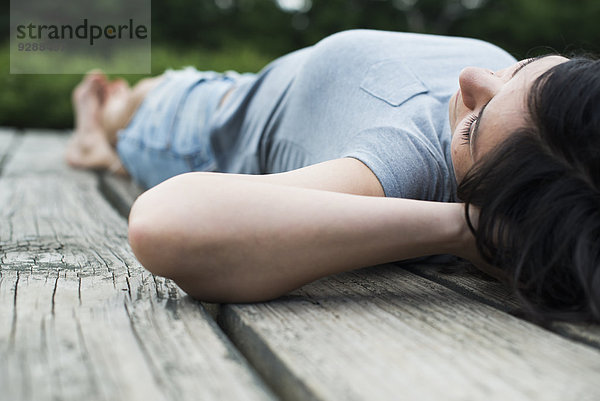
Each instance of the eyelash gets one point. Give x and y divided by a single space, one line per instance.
466 130
524 63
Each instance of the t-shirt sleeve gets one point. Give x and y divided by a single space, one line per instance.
406 165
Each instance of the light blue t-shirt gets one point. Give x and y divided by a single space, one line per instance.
380 97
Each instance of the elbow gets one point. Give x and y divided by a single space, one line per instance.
182 231
178 235
190 262
166 229
142 239
148 240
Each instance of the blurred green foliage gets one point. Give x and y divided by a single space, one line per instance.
45 100
244 35
516 25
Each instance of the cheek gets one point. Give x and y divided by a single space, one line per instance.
460 156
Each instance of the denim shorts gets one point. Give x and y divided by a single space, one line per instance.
169 134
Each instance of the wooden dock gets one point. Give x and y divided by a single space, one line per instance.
80 319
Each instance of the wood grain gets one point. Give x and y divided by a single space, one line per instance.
383 333
81 319
494 293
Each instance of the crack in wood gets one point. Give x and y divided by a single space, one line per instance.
85 356
128 287
159 294
120 259
54 291
144 350
79 288
13 329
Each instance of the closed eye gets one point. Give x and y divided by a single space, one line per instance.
476 129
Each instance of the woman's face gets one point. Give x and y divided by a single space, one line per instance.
489 106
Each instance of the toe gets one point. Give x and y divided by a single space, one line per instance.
95 74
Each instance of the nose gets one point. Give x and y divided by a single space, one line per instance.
478 86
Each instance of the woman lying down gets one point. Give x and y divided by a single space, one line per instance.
368 147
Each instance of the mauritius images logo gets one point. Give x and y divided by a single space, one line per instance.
75 36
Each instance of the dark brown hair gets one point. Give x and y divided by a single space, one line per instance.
539 195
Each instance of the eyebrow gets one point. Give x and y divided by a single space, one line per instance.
519 68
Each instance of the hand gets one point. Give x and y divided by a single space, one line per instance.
469 247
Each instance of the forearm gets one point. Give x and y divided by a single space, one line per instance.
262 240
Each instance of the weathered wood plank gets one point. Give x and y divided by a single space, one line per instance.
40 152
467 280
496 294
8 139
81 319
383 333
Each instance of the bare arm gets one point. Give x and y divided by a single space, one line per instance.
231 238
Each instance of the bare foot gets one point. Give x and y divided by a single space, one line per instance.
87 99
89 146
92 151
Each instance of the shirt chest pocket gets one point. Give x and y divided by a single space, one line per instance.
392 82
